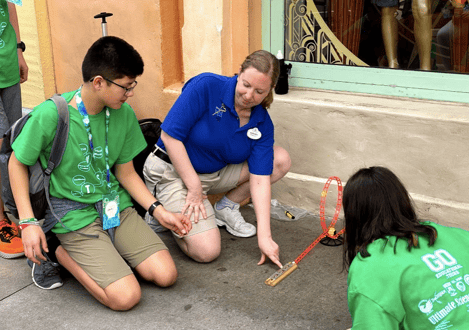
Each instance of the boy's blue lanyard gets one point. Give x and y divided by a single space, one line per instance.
86 122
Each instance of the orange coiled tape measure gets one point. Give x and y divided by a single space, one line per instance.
329 232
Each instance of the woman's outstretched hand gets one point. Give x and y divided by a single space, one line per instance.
270 250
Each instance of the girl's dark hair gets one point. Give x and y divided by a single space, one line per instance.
264 62
112 58
376 204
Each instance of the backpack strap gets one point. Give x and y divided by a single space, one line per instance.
58 150
61 137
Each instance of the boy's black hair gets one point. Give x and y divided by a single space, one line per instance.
112 58
376 205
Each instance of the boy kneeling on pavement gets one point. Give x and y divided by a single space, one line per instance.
99 232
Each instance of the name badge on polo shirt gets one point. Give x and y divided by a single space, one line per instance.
254 133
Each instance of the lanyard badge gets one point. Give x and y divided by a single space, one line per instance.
111 200
111 210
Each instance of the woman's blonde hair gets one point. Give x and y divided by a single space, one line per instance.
264 62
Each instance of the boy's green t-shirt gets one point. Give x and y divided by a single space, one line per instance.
9 68
425 288
81 175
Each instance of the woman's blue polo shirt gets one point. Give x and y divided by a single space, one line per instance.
204 119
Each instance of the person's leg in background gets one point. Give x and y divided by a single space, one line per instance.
390 34
421 10
11 245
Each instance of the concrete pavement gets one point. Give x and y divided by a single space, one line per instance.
228 293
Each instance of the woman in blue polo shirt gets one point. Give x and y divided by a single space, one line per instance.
218 137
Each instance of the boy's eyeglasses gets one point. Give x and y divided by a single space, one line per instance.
127 89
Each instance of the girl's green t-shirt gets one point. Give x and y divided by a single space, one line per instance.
81 175
424 288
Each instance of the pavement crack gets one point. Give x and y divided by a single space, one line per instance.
11 294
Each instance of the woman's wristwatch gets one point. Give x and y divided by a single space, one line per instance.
153 206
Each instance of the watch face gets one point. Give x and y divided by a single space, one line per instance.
21 46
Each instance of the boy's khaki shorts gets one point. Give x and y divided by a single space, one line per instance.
171 190
105 262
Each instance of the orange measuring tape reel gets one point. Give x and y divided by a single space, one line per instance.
329 233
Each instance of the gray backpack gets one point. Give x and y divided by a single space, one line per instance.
38 178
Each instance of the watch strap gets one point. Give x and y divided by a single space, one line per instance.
153 206
21 46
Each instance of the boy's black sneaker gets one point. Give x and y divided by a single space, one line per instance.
46 275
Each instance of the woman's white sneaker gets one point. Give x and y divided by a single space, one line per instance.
234 221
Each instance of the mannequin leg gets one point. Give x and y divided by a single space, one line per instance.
390 34
421 9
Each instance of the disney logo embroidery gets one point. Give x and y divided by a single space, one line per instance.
219 112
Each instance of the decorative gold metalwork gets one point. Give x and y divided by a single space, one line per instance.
309 39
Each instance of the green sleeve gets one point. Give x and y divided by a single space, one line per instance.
35 139
134 139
